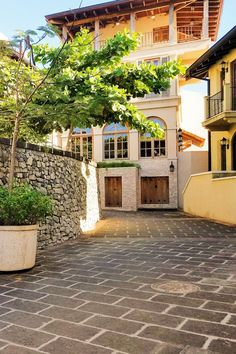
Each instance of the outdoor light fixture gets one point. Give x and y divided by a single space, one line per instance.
224 142
180 138
117 23
223 65
224 68
172 167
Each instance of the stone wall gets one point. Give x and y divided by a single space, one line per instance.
70 182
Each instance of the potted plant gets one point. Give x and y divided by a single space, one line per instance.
21 209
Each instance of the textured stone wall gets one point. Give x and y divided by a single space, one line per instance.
71 183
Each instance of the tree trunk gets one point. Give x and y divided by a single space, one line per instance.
68 144
13 153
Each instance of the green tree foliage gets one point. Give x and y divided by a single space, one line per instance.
84 87
73 86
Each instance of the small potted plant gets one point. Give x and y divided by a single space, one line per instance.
21 209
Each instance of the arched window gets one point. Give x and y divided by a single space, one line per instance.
116 144
82 142
151 147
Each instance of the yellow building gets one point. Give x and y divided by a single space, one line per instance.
213 194
173 29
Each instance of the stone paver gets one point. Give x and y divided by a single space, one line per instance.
95 295
158 224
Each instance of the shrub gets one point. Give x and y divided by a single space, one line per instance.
24 205
117 164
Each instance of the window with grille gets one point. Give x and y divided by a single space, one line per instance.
82 142
116 142
151 147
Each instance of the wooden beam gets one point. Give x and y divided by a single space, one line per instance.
123 12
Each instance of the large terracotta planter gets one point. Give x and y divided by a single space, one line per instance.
18 246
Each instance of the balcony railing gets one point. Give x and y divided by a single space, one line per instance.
160 35
215 104
223 101
188 33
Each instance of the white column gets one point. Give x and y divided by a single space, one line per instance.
64 34
97 35
132 22
205 24
172 29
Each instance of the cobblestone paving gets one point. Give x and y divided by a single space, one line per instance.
95 296
158 224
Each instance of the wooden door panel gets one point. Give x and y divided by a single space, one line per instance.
113 192
154 190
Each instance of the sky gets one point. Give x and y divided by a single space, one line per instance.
29 14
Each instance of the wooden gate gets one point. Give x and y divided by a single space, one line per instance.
113 192
155 190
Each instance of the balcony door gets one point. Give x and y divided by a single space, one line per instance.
233 71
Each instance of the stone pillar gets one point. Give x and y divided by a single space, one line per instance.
172 27
97 35
205 23
132 22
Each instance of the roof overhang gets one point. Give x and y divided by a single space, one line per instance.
199 69
187 10
190 139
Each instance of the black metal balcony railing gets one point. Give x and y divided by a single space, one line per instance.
215 104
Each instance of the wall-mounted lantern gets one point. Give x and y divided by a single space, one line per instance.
224 68
172 167
180 139
224 143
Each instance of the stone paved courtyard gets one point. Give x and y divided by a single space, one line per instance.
95 296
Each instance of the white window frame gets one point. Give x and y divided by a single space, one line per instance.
152 143
116 133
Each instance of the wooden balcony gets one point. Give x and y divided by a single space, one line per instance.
161 35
